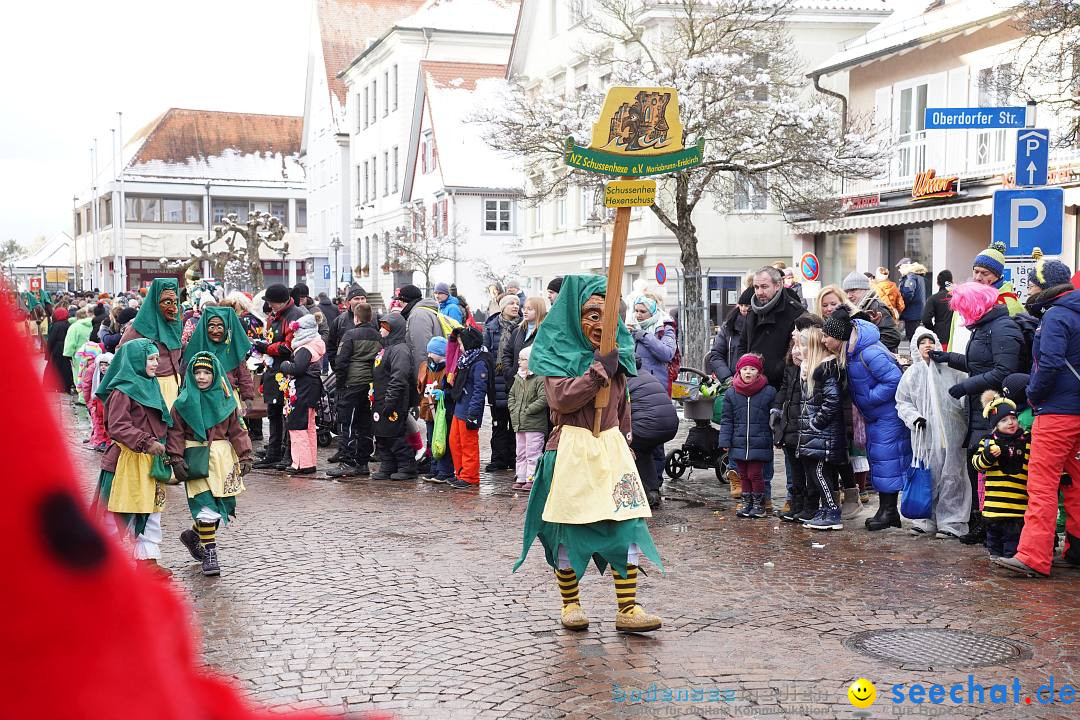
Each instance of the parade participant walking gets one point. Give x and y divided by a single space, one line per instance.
529 418
1053 392
354 369
468 391
502 436
219 332
55 362
210 453
571 506
158 320
137 419
938 423
394 393
275 346
991 353
1003 457
745 431
873 377
304 390
913 291
773 311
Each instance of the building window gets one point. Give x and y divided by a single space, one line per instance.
992 91
374 177
394 90
105 211
497 214
374 101
177 211
193 212
558 85
385 173
751 192
759 90
395 162
553 17
911 136
587 204
386 93
427 151
560 212
224 206
172 210
301 214
367 186
280 210
367 107
581 79
357 109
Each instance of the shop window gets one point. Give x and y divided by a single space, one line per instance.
751 192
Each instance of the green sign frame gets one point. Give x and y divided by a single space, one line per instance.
619 165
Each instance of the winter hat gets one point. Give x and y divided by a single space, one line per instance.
442 288
1048 273
203 361
750 360
996 408
60 315
356 291
300 290
437 346
1015 388
992 258
126 315
856 281
554 284
839 325
409 293
747 296
277 293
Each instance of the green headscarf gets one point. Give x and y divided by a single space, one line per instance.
127 373
560 348
231 351
203 409
150 323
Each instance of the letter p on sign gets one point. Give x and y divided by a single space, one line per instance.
1016 224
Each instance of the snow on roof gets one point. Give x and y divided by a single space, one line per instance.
465 159
216 145
906 30
56 252
492 16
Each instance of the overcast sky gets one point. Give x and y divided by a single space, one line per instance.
70 65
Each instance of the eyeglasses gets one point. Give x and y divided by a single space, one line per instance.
167 301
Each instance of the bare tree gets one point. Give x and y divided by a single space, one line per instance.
498 269
742 91
233 253
423 244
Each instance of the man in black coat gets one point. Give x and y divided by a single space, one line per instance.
354 368
344 321
283 312
767 331
937 315
394 382
329 309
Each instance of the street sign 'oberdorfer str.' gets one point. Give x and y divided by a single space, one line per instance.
629 193
973 118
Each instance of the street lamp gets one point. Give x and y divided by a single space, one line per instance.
336 245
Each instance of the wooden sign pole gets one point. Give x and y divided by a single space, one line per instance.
609 335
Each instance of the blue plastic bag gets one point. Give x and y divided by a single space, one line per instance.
917 497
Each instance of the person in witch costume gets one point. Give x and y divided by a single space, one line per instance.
206 414
220 332
587 499
136 420
158 320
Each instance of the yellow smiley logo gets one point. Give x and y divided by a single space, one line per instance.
862 693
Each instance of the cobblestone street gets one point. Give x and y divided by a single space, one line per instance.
363 594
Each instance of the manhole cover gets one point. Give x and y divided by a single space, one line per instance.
934 647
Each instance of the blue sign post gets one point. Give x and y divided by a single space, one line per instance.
1032 157
1026 219
325 272
974 118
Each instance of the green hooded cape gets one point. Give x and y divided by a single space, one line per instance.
561 348
231 351
150 323
203 409
127 373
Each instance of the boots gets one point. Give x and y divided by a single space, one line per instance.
210 566
631 618
732 477
190 540
827 519
757 505
573 617
886 516
746 507
792 509
852 505
976 530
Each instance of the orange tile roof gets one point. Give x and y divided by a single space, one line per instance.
179 134
460 75
348 26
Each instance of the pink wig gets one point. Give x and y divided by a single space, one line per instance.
973 300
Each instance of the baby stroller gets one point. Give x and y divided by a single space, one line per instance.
325 421
701 399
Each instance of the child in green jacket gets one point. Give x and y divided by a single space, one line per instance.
529 417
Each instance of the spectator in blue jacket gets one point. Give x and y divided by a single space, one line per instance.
654 338
913 290
448 304
469 392
873 377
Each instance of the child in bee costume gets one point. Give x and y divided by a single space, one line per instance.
210 452
587 500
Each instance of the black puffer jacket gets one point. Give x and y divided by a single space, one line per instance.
394 380
992 354
745 429
653 419
788 401
277 334
503 376
821 419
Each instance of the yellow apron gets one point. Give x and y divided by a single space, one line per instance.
133 490
594 479
224 480
170 389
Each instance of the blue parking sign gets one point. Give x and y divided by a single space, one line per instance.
1027 219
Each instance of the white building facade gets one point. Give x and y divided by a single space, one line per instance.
733 239
181 175
381 84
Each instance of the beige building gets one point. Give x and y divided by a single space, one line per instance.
952 54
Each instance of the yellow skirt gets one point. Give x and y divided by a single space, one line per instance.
224 479
133 490
170 389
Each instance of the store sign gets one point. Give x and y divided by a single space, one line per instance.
1056 175
860 202
35 284
928 185
629 193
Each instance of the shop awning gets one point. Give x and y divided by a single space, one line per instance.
900 216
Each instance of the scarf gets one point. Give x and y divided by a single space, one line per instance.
560 348
203 409
653 320
748 389
127 373
151 323
769 305
231 351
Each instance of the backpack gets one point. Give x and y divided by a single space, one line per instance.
1028 324
447 323
674 366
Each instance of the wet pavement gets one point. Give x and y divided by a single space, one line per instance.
355 595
